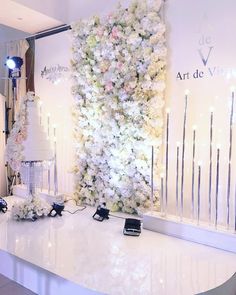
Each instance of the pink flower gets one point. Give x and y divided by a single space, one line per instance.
119 65
19 138
100 32
114 33
127 88
104 66
109 86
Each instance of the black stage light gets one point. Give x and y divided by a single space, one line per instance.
101 213
3 205
56 209
132 227
14 62
14 65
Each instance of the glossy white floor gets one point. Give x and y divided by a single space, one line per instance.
99 257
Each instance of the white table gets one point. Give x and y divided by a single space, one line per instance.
96 255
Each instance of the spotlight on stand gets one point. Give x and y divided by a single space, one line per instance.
14 65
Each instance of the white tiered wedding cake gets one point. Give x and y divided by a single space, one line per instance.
36 145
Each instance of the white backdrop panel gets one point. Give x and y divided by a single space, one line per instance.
202 59
53 86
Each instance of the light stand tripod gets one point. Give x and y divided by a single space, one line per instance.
14 65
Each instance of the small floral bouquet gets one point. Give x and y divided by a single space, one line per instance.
31 209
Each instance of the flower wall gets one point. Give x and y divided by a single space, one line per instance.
119 79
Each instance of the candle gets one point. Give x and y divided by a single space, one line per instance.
177 178
193 169
55 162
152 186
167 157
230 155
210 164
199 193
217 184
183 152
162 192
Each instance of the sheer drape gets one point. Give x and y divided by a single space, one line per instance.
15 48
2 147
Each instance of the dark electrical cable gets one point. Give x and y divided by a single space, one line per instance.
80 209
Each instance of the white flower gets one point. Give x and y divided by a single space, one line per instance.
118 70
30 209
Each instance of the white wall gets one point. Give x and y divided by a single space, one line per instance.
54 90
81 9
72 10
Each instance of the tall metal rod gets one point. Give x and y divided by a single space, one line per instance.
183 153
235 209
162 194
193 171
55 172
177 180
210 168
217 185
230 156
199 194
152 185
167 158
13 100
49 171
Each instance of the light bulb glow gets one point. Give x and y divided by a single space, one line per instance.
186 92
167 110
10 64
232 88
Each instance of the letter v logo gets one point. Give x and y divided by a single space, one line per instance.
205 60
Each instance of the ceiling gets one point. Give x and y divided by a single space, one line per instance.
33 16
22 15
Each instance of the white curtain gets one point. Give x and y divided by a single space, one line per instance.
15 48
2 147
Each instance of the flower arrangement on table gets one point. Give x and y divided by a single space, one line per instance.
31 209
119 78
